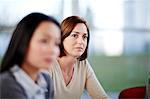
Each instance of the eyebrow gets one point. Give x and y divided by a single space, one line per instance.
79 33
46 34
50 35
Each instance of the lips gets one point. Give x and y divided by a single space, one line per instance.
79 48
48 60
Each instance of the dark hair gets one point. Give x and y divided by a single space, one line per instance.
67 26
21 37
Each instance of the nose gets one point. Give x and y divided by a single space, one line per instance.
80 40
50 50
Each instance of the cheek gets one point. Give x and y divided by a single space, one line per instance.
57 51
35 52
85 44
36 55
67 47
30 58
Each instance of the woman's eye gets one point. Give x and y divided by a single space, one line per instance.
74 35
85 37
44 41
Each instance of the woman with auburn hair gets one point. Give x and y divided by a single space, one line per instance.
72 73
33 47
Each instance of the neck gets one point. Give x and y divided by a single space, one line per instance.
67 63
31 71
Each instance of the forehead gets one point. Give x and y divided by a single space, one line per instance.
47 28
80 28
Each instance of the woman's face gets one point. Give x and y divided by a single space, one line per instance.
44 46
75 44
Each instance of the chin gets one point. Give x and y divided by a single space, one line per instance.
77 56
46 66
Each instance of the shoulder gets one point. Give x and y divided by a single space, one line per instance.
84 64
7 78
11 89
86 68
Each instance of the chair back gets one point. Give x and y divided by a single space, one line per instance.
133 93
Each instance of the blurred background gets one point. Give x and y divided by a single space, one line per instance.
119 49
